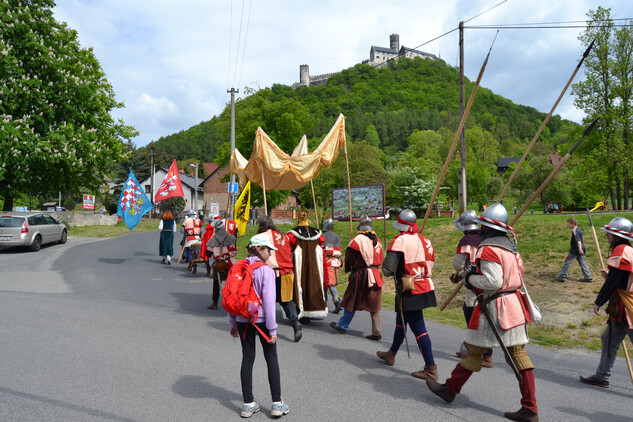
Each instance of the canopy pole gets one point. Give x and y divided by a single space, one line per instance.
264 189
316 213
349 193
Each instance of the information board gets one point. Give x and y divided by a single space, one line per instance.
368 200
89 202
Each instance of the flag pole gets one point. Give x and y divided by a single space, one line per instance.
349 193
316 213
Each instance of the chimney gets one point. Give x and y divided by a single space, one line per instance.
394 42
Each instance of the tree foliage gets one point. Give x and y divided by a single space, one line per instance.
56 130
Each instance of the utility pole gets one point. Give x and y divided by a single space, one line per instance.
152 182
195 190
461 177
233 91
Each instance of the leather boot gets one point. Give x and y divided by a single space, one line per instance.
486 362
429 371
389 357
440 390
337 305
296 326
213 305
522 415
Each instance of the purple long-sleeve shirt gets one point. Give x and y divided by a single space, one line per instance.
264 285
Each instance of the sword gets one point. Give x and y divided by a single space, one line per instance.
404 323
484 310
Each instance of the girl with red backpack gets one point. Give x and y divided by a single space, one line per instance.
263 282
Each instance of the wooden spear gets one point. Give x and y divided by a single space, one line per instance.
602 267
527 204
349 193
316 213
449 157
560 164
538 133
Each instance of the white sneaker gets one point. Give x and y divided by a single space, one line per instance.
249 409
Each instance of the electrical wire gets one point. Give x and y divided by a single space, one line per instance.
248 21
239 39
485 11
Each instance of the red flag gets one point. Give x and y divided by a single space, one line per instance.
171 186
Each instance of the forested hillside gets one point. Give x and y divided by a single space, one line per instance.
400 122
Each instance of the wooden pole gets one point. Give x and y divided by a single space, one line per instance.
449 157
560 164
349 193
264 189
538 133
316 213
628 360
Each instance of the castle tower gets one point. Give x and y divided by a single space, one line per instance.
304 75
394 42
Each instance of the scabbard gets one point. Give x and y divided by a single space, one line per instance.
484 310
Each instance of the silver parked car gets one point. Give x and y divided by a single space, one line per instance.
31 229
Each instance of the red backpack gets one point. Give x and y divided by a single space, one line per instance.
238 296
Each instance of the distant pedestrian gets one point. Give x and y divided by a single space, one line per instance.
167 227
576 252
259 249
514 210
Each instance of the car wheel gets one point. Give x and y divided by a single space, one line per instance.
64 237
37 243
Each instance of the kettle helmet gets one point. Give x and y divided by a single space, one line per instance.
466 221
620 227
496 213
328 225
364 224
405 220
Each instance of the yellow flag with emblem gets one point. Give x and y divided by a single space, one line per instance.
242 208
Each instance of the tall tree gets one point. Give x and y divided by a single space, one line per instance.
606 93
55 124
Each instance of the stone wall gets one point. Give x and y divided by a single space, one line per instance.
78 219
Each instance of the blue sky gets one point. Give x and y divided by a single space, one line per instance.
171 62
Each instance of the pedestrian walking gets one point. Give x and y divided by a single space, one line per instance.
167 227
576 252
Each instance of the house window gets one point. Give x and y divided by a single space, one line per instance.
148 188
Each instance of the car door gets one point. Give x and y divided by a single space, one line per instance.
43 228
53 228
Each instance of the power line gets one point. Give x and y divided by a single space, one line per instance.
248 20
239 39
546 26
498 4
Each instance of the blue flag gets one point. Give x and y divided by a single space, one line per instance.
133 202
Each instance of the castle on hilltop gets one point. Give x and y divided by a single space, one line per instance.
378 57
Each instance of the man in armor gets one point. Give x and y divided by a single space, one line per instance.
411 256
618 291
363 258
464 256
497 277
191 227
332 250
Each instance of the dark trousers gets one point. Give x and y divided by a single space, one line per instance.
217 278
248 359
415 320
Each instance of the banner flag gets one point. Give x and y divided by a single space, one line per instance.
242 208
133 202
171 186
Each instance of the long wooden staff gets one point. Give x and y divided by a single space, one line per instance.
316 214
560 164
595 239
534 196
538 133
349 193
264 189
449 157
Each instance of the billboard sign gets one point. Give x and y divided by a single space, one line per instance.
368 200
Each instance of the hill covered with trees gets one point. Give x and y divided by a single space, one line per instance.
400 122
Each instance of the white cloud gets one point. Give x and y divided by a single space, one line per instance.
169 61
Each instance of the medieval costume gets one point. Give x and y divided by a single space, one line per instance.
307 255
618 291
497 277
465 256
192 244
221 249
412 256
332 250
363 258
167 227
281 261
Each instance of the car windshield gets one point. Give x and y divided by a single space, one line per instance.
8 221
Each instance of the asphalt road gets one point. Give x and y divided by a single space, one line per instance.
99 330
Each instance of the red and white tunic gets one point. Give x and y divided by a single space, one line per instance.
419 258
622 259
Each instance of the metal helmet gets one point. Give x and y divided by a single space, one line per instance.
364 225
495 212
620 227
191 213
466 221
407 216
328 225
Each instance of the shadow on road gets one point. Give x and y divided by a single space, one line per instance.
197 387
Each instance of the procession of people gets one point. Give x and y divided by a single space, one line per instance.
305 265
